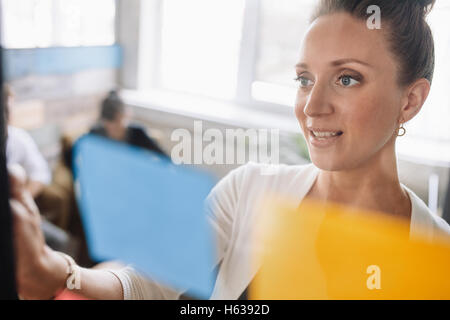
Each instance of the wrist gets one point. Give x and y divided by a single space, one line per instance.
54 270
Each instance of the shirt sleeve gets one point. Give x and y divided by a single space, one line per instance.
137 287
33 162
220 210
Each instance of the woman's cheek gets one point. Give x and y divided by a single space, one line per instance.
298 110
372 124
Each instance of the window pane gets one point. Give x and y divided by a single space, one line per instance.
98 22
45 23
68 23
282 26
200 46
85 22
27 23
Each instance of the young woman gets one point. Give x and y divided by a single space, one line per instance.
357 87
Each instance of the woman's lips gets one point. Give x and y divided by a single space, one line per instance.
324 138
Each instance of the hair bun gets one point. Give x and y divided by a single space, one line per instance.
427 5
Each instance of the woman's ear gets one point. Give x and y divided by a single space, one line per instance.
417 93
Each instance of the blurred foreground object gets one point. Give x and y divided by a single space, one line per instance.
328 251
140 208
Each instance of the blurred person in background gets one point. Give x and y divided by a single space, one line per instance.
114 123
21 149
24 158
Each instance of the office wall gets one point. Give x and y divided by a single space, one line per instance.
58 90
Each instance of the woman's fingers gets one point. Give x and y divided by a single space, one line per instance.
33 276
18 210
26 225
17 179
28 235
31 206
27 205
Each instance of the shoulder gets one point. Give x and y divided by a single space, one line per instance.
97 129
252 171
137 130
441 225
423 221
272 176
18 133
20 138
138 135
253 180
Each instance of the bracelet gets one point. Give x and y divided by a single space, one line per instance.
74 275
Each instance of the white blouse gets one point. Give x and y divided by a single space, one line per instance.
21 149
231 208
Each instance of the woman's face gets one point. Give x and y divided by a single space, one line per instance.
348 102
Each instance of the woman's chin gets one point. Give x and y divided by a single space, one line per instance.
327 163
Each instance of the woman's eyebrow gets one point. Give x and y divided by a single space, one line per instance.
301 65
336 63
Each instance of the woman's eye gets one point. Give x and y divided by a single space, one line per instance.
304 82
348 81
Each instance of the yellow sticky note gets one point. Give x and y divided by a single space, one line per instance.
327 251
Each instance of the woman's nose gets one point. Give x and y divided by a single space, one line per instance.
319 101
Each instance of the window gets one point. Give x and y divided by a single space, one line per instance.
47 23
200 46
282 26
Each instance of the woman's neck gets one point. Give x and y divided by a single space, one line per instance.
373 186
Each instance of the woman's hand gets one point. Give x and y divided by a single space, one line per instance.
40 271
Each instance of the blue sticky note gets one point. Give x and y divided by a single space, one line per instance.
144 210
